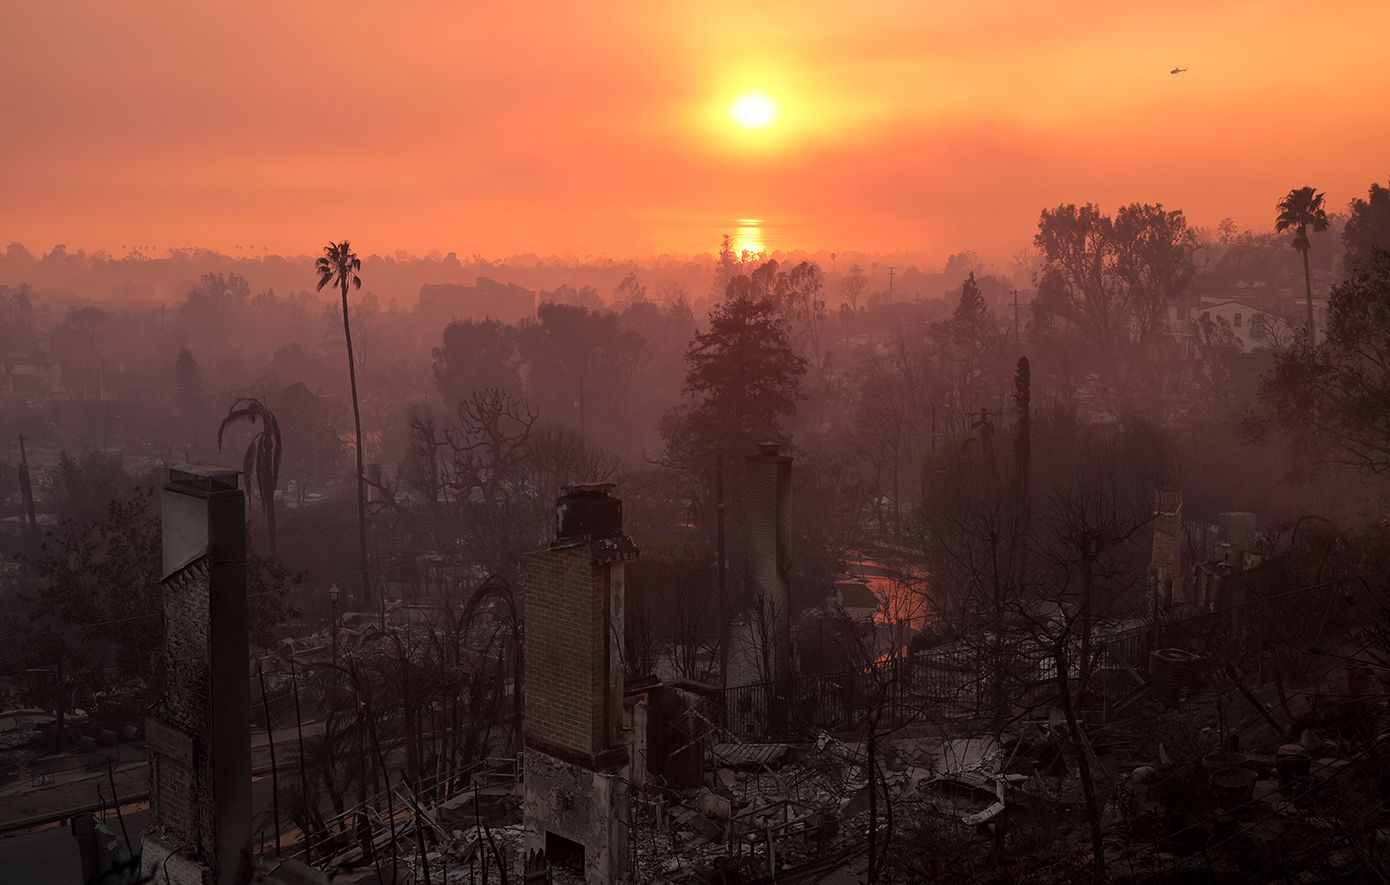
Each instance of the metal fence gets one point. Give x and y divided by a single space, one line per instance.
893 692
1121 665
972 682
959 683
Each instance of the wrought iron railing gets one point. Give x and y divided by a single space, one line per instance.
367 825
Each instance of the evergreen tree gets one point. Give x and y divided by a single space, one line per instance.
188 384
1329 399
1368 228
743 378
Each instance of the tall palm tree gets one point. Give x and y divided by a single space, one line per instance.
339 267
1302 208
262 454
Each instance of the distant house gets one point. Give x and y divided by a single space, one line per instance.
1262 325
30 373
507 302
1181 328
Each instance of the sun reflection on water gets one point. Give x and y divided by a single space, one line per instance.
748 242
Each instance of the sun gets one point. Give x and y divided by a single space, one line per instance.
753 111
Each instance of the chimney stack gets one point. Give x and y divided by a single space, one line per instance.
767 557
199 741
576 761
1238 530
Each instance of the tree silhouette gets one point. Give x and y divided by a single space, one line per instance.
1368 228
1302 208
742 381
339 267
188 383
1328 401
743 375
262 454
1112 278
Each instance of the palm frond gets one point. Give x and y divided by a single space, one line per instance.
248 463
275 460
234 414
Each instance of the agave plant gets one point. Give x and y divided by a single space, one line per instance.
262 463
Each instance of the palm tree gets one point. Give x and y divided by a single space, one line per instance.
339 267
1302 208
262 454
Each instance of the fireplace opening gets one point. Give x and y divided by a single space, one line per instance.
564 853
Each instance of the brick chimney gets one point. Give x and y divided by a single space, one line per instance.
767 558
575 757
199 741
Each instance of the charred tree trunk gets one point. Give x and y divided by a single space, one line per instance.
1083 762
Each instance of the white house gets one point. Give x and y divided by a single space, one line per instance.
1264 325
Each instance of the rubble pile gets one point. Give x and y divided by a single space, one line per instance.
1212 783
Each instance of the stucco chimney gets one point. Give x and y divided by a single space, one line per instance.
767 556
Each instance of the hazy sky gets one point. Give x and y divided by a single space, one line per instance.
605 127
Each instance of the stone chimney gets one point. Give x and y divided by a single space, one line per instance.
1165 569
1238 530
767 558
575 757
199 740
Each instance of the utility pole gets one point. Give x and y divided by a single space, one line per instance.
27 491
1015 318
890 284
580 403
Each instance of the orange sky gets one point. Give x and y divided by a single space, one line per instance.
602 127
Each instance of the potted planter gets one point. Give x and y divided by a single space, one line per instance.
1214 762
1293 769
1233 786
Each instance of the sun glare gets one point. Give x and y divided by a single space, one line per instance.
753 111
749 239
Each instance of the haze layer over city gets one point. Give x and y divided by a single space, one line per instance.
635 443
